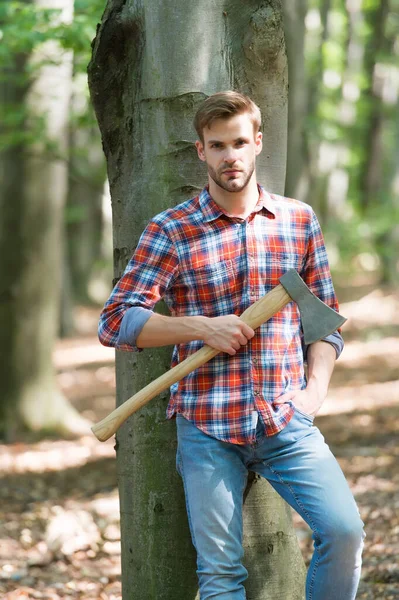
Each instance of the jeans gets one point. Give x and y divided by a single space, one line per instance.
300 466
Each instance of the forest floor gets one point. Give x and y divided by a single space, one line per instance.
59 512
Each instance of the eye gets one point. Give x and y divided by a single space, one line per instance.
240 142
216 145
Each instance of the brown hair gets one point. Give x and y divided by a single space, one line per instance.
224 105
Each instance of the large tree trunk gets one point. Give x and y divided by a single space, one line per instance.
31 242
153 62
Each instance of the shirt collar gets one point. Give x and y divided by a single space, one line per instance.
212 211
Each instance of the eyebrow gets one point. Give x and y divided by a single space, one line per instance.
241 137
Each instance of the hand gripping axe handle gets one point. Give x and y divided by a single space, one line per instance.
318 320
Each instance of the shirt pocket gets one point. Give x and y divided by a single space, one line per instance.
216 286
281 262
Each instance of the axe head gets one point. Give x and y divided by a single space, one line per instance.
318 319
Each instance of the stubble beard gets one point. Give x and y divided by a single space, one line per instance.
233 185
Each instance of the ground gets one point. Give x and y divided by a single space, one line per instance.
59 520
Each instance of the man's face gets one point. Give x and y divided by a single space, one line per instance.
229 149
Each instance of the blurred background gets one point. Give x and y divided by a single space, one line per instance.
59 531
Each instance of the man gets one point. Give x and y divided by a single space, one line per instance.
250 407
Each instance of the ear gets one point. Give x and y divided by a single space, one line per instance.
258 143
200 150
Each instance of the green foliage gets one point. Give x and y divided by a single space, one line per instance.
24 27
75 214
341 76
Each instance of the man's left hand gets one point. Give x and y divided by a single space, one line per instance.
308 400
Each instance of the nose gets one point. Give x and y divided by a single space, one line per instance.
230 155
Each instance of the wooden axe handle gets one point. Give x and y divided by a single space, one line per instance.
259 312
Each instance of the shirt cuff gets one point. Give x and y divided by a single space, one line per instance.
336 341
132 323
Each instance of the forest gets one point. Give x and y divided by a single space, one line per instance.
80 180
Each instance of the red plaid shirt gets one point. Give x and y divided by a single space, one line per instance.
202 261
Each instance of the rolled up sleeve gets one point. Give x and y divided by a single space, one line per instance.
317 276
148 274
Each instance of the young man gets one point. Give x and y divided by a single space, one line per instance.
251 407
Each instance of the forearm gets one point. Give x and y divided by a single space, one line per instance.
225 333
160 330
321 360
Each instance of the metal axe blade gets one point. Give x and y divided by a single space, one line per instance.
318 319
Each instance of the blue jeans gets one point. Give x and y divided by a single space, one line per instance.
300 466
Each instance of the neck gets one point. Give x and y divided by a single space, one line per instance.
239 204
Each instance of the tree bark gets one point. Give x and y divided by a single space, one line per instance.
153 62
32 213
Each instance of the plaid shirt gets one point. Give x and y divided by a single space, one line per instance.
202 261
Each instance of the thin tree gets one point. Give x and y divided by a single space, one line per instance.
297 177
32 203
153 63
371 172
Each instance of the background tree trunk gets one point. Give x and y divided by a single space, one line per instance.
31 251
317 182
371 173
87 173
153 63
296 184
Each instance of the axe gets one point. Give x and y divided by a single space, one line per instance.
318 321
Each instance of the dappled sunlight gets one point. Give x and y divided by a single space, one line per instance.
60 531
366 376
375 308
71 353
356 352
52 455
369 483
347 399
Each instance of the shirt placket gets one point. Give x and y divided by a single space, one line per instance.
253 290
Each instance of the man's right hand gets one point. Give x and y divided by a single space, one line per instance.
227 333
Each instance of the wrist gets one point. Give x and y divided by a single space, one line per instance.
200 327
317 387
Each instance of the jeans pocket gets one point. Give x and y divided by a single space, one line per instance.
298 410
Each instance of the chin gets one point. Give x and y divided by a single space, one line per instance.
235 187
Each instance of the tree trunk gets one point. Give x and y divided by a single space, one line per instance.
390 260
86 179
312 135
371 173
296 183
379 196
153 62
32 213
